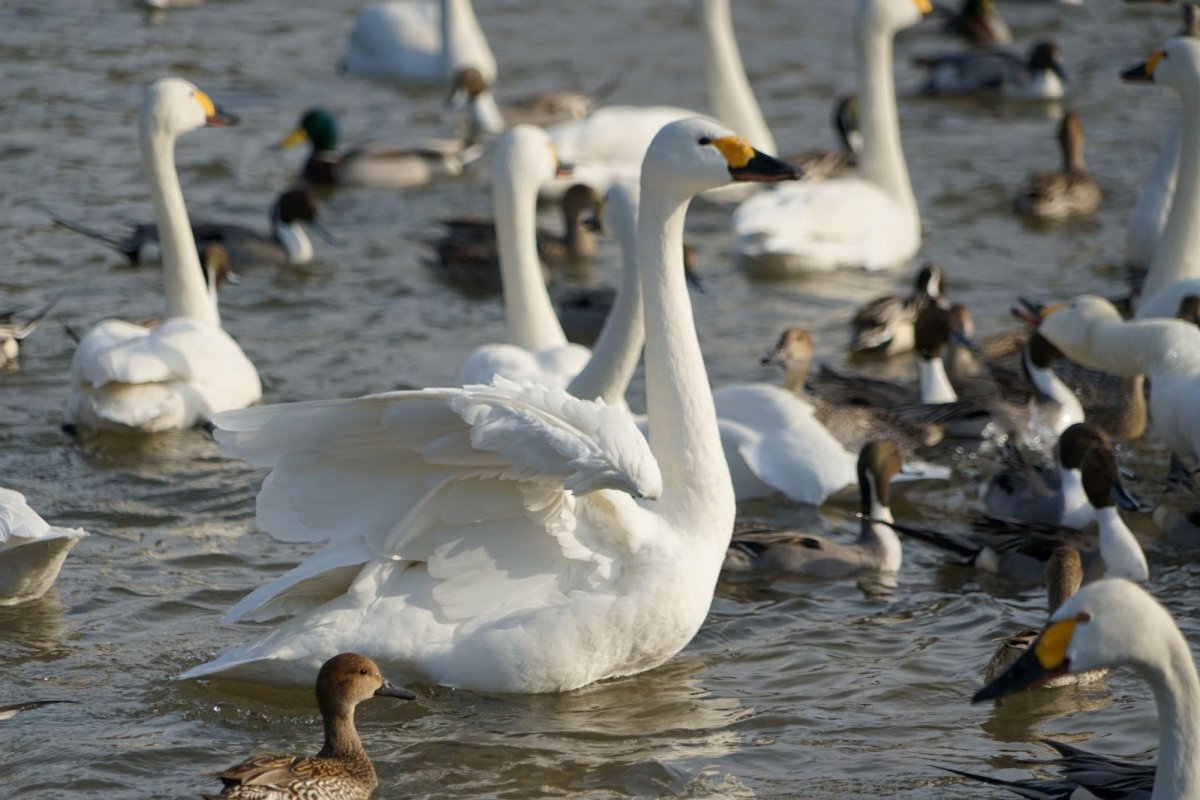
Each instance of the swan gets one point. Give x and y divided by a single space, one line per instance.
608 146
869 221
418 41
1115 623
13 331
1069 192
287 242
507 537
31 550
128 379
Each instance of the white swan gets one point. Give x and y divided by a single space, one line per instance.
128 379
869 221
1115 623
485 537
31 550
418 41
537 349
609 145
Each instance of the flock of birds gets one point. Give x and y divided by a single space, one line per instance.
527 532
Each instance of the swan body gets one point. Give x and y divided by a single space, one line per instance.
869 221
127 379
31 550
418 42
502 537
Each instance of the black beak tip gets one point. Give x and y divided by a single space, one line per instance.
223 119
1137 74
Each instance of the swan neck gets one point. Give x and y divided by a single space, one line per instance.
1172 678
683 421
183 281
530 318
935 384
882 158
1178 253
729 89
1149 215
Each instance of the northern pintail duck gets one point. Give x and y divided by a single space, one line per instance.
978 22
10 711
32 550
1020 551
127 379
1069 192
375 165
820 164
341 770
1063 576
877 548
1040 76
884 326
1189 309
1114 623
471 91
15 327
287 242
418 42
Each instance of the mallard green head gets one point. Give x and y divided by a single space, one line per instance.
318 126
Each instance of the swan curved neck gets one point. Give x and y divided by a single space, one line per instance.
882 158
683 420
1172 678
486 118
1178 253
530 319
729 89
1154 203
460 29
183 282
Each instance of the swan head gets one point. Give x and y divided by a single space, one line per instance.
349 678
173 106
317 126
1069 327
697 154
1109 623
1177 66
526 152
892 15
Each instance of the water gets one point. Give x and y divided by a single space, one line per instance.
792 689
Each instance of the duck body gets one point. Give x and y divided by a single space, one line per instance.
1069 192
1040 76
31 550
418 42
884 326
15 327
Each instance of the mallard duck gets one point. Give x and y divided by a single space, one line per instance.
884 326
16 326
1069 192
373 165
1039 76
341 770
820 164
31 550
471 91
287 242
978 22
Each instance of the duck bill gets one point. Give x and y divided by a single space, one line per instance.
773 358
322 231
762 168
1124 499
294 138
962 340
390 689
221 119
1027 311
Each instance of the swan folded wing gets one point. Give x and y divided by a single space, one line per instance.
761 405
120 352
18 520
803 462
555 366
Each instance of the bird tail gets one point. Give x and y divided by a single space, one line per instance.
129 246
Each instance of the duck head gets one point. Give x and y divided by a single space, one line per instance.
1189 309
299 206
793 351
317 126
936 327
1077 440
1102 480
1046 57
878 463
931 281
582 205
349 678
217 267
173 106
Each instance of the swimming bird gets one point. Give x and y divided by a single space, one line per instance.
16 326
870 220
341 770
1039 76
877 548
31 550
287 242
418 42
435 503
485 117
375 165
127 379
1115 623
10 711
1064 576
884 326
978 22
1069 192
820 164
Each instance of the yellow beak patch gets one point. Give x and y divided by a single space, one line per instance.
1053 308
924 6
294 138
737 151
1051 650
1154 60
210 108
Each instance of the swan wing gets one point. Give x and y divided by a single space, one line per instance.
20 524
555 366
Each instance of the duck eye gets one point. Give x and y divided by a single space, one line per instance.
364 671
703 140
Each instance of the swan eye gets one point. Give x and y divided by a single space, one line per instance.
1083 617
703 140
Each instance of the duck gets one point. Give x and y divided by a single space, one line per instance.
341 770
1020 550
884 326
877 548
1063 576
619 540
609 144
16 326
418 42
487 118
374 165
287 243
978 22
127 379
821 164
466 255
1069 192
32 551
868 221
1114 623
1039 76
1189 309
1149 215
10 711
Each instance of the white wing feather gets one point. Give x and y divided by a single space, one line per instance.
20 524
554 367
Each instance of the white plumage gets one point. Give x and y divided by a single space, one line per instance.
31 550
418 41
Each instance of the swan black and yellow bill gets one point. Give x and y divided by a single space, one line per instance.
1044 661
